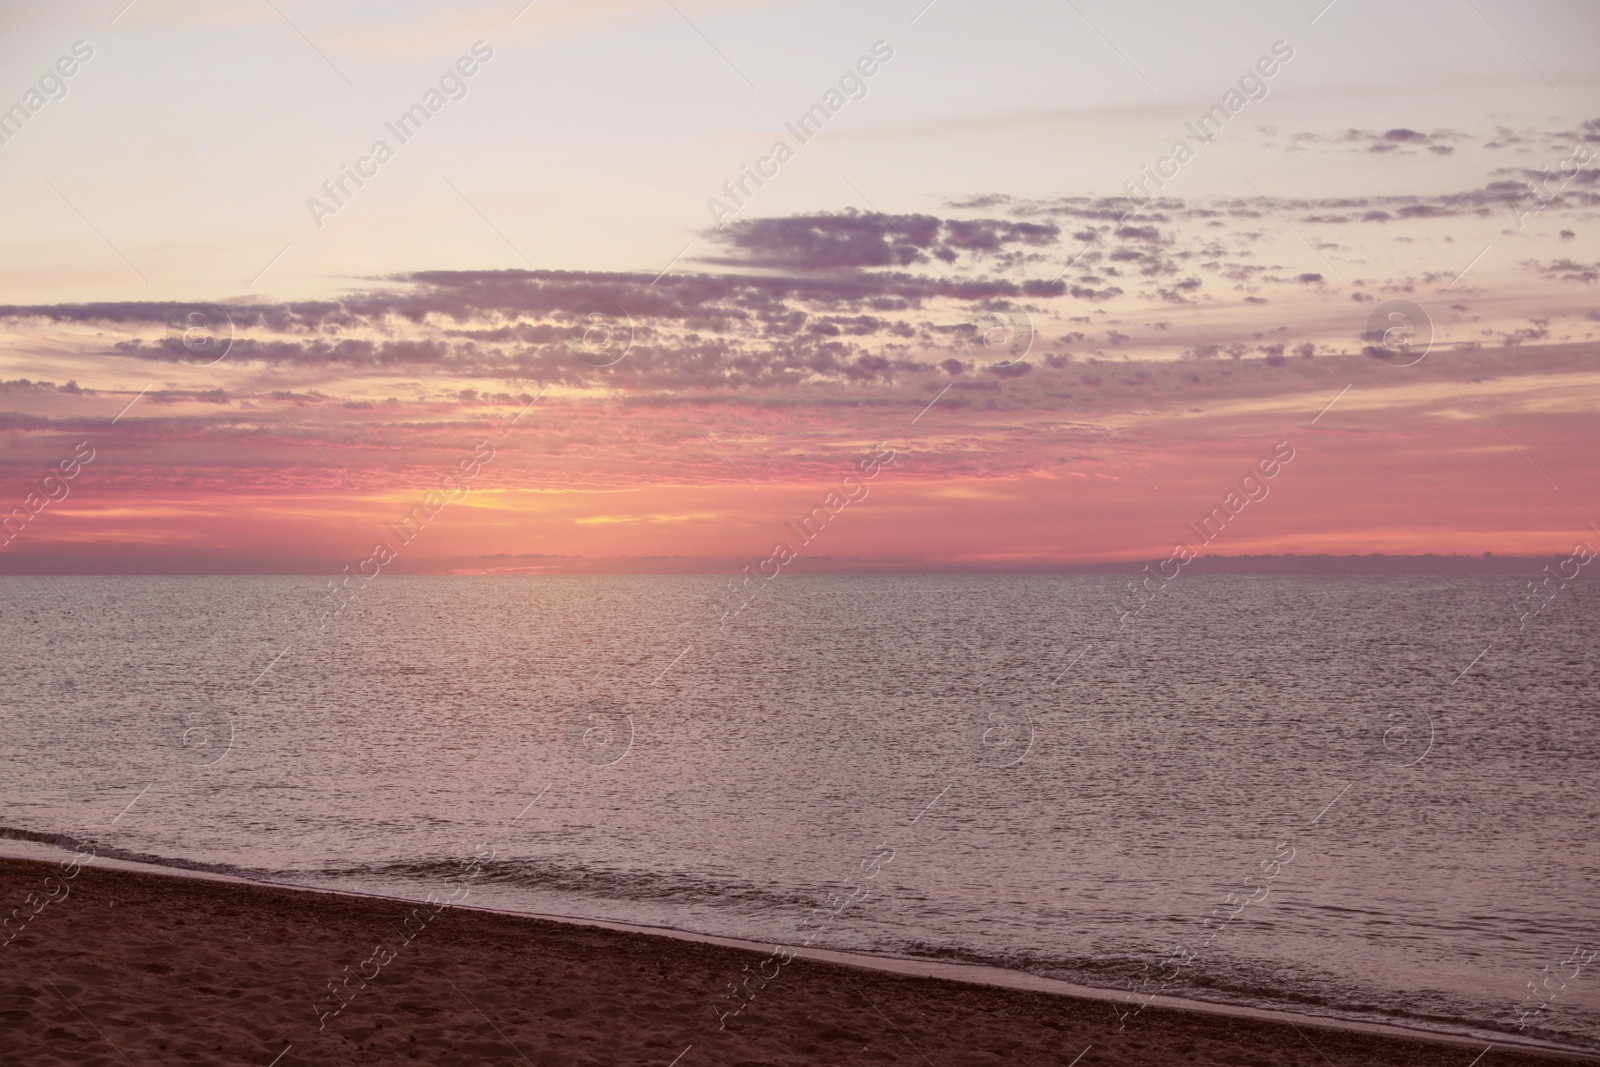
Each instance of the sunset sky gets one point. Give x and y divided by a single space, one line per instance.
952 268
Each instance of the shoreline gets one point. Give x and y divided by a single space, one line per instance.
710 961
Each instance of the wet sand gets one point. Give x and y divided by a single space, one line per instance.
139 969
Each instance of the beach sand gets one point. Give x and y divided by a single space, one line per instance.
140 969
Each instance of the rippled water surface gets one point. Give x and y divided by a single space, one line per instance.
964 768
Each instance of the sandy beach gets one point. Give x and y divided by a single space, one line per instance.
135 968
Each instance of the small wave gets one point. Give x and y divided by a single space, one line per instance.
1248 983
72 842
581 880
546 875
60 840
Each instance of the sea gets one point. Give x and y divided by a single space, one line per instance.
1363 798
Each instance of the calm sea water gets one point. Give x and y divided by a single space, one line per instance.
1403 841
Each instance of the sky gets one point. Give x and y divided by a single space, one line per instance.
651 282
